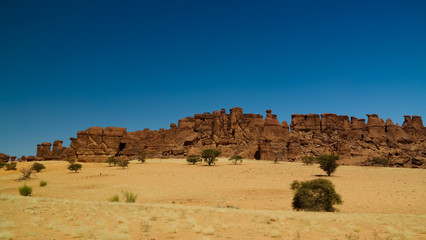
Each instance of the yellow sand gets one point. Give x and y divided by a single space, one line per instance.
180 201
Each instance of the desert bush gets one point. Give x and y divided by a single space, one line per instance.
70 160
43 183
75 167
328 163
142 157
2 164
381 161
111 160
317 195
123 163
38 167
309 160
25 190
129 197
235 159
114 198
146 226
10 166
26 173
193 159
210 155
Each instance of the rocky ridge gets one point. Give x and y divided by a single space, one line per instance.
252 136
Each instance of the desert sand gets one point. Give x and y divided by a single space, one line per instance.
181 201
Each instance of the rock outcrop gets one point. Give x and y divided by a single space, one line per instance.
252 136
4 157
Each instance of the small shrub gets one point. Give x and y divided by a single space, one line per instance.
381 161
123 163
2 164
111 160
316 195
75 167
114 198
142 157
43 183
26 173
70 160
328 163
38 167
10 166
193 159
235 159
146 226
129 197
25 190
210 155
308 160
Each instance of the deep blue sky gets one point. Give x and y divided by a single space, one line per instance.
68 65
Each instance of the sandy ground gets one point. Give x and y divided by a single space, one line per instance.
180 201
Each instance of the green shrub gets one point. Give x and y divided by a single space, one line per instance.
308 160
328 163
10 166
111 160
316 195
123 163
381 161
235 159
38 167
25 190
75 167
142 157
129 197
114 198
2 164
43 183
193 159
210 155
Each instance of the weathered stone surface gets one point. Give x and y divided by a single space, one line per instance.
307 122
253 136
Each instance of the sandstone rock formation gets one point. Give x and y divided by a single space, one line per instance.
4 157
251 136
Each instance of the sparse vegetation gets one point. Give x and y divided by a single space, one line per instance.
193 159
316 195
26 173
309 160
142 157
328 163
38 167
75 167
381 162
2 164
70 160
129 197
235 159
10 166
25 190
146 226
123 163
43 183
111 161
114 198
210 155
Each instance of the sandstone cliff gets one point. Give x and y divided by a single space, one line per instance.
252 136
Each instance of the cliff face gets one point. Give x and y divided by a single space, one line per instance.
251 136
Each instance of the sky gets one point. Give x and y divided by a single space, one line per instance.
66 66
